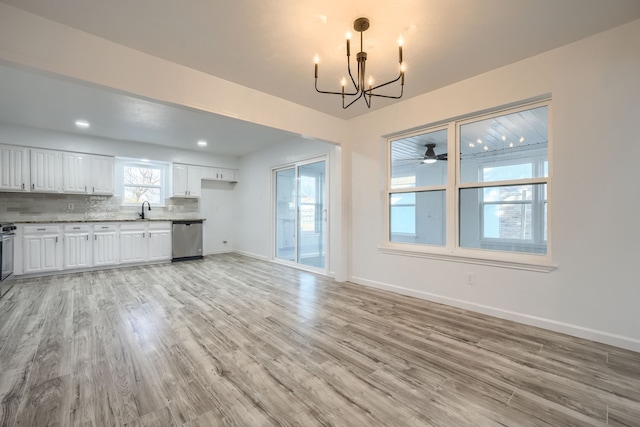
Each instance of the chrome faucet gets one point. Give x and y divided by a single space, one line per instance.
141 214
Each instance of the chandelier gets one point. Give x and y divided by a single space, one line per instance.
359 89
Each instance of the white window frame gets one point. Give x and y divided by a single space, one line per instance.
452 251
164 167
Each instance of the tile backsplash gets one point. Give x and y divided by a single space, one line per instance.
51 207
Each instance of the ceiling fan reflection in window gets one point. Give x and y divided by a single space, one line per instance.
430 156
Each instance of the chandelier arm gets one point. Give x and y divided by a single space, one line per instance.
384 84
333 93
390 96
344 107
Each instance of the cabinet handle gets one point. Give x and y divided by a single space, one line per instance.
23 185
104 228
87 236
76 228
95 237
56 239
85 188
42 229
33 186
93 189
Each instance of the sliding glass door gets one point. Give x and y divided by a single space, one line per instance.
301 214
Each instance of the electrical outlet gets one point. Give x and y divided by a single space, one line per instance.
471 278
70 207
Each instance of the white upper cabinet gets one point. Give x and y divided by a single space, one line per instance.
14 168
75 170
46 171
102 175
219 174
87 174
186 180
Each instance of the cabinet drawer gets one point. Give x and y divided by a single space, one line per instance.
105 227
77 228
41 229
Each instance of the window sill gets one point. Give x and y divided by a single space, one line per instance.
540 267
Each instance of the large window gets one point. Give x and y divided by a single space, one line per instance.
141 181
478 184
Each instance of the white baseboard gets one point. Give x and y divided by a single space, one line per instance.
552 325
251 255
225 251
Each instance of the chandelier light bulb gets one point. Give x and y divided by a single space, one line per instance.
316 59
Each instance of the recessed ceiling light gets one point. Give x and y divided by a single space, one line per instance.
202 143
82 124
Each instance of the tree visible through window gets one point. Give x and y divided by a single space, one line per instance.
142 183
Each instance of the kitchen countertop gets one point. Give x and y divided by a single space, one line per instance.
68 221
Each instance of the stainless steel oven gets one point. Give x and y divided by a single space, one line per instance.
7 237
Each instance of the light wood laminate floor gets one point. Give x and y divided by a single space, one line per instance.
230 340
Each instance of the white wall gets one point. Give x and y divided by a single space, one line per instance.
253 198
595 147
217 207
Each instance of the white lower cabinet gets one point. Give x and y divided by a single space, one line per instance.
134 246
75 246
159 241
105 245
78 246
144 242
42 248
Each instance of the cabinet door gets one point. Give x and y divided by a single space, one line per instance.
133 246
74 172
208 173
102 175
46 171
14 168
194 181
159 245
105 248
180 177
77 251
227 174
41 253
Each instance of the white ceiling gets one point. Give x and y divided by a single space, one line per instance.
269 45
41 101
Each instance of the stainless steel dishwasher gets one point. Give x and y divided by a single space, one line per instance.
187 240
